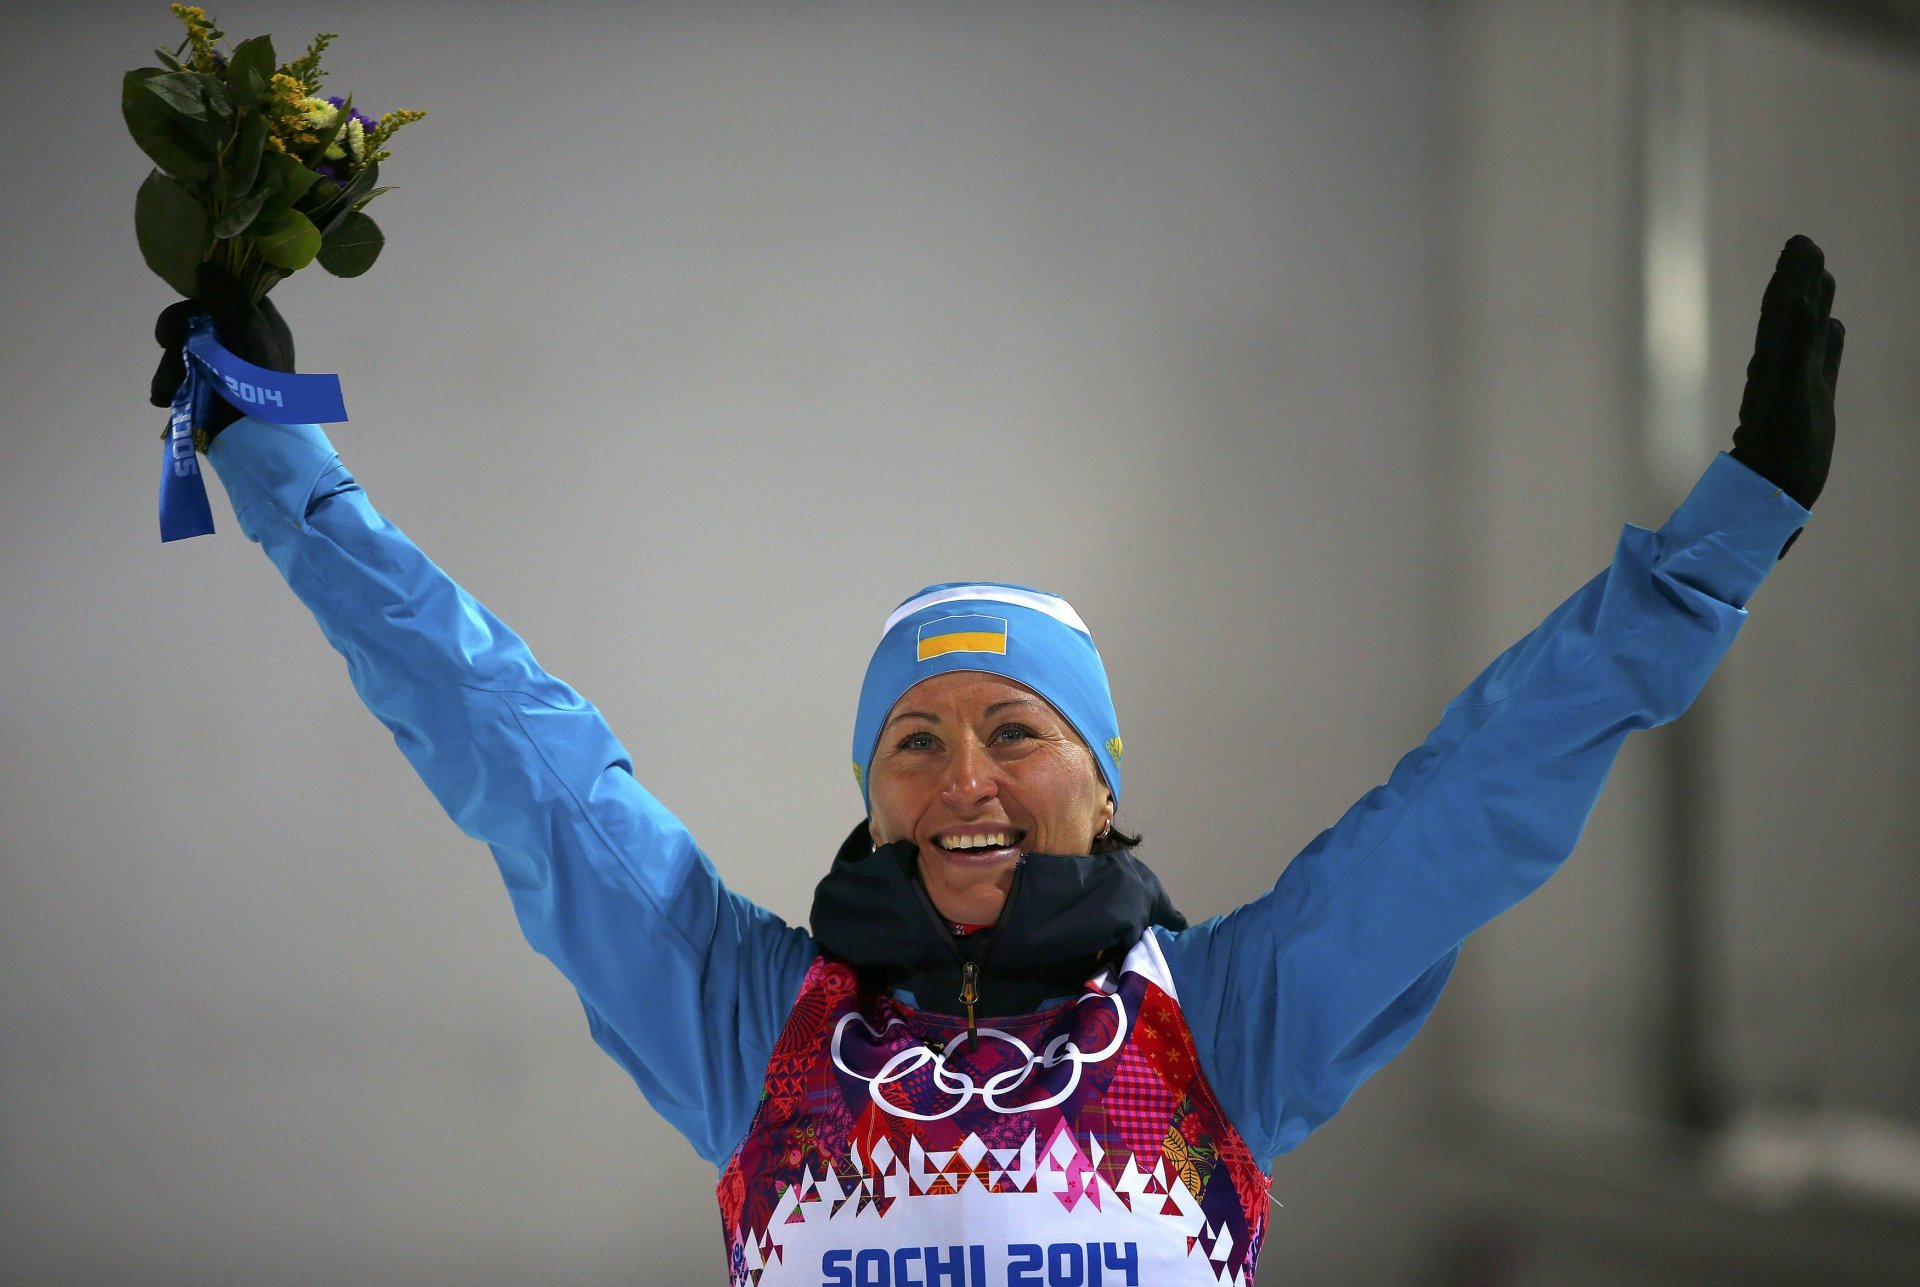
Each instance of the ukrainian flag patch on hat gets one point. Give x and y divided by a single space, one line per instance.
962 634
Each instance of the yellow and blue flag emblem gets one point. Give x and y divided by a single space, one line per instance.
962 634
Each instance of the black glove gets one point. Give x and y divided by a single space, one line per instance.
254 332
1786 413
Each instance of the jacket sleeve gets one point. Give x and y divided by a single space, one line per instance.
1301 995
685 983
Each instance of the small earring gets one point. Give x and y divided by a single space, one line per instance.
1106 830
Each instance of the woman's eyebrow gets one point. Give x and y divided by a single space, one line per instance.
1011 701
925 715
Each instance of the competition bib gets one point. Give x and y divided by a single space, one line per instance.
1079 1146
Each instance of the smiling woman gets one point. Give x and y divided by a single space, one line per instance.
979 771
973 765
1000 1055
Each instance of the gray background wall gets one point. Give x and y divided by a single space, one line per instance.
1304 346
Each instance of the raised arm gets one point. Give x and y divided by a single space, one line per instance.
685 983
1299 996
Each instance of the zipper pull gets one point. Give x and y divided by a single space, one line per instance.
969 996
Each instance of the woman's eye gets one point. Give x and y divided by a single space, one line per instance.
917 742
1011 733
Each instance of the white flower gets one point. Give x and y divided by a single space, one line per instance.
355 136
318 113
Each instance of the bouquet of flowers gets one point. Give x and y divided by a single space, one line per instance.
257 175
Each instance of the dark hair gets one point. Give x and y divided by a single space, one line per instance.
1114 841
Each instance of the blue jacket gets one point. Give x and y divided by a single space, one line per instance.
1293 999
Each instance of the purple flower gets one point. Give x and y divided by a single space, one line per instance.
366 122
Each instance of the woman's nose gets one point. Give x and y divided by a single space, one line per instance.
970 777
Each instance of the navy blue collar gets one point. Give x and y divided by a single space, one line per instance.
1067 917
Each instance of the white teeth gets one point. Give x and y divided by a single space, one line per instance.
992 840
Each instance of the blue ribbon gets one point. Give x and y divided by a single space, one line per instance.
184 510
280 397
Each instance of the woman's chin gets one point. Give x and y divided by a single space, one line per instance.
969 887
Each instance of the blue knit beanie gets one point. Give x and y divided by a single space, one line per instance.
1026 635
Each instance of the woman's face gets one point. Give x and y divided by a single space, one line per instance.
977 770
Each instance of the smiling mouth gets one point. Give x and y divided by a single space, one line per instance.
980 843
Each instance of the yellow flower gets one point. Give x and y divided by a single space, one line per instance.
201 34
391 121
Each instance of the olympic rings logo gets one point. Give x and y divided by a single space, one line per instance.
904 1063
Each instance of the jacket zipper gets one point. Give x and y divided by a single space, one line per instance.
969 968
969 996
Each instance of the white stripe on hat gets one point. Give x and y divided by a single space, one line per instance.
1051 604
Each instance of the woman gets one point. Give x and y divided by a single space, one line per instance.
1000 1055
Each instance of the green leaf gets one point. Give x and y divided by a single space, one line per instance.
287 180
192 95
291 245
269 222
361 204
174 142
171 226
328 213
245 91
243 162
168 60
256 56
351 248
298 177
239 213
